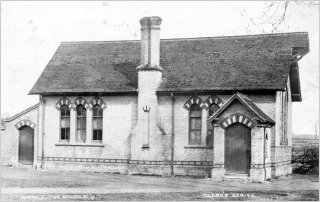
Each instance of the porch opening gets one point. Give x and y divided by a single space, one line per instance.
237 149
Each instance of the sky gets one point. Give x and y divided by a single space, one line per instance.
32 31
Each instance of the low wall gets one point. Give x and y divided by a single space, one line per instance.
125 166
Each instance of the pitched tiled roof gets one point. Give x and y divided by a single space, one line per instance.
251 106
218 63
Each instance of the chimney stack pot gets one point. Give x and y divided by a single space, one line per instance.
150 22
150 43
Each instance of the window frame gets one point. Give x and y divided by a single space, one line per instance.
82 117
60 124
210 127
189 125
93 129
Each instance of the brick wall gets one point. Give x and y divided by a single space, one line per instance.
118 120
183 152
281 151
10 138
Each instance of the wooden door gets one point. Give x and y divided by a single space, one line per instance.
26 145
237 149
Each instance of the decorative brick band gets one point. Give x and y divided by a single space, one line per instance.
193 163
80 101
64 101
256 166
144 162
193 100
127 161
97 101
237 118
281 163
267 165
25 122
218 165
94 160
213 100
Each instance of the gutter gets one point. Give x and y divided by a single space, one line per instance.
37 154
85 93
224 91
160 91
172 133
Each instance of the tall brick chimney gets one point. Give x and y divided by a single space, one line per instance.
149 78
150 42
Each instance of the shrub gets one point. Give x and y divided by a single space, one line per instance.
306 160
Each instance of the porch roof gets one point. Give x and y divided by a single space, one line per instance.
249 104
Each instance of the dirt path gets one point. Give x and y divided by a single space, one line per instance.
21 182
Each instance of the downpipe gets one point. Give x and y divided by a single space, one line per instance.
264 152
42 100
172 133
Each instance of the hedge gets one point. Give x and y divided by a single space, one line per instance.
305 160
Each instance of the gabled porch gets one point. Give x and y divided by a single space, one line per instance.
241 140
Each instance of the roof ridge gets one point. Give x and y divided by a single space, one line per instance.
190 38
21 113
112 41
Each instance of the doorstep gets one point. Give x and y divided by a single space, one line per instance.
236 177
27 166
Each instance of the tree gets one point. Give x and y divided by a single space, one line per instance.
274 13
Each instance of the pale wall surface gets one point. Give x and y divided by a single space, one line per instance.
122 111
120 118
10 138
265 102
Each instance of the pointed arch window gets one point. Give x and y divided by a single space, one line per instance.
64 123
97 123
209 141
81 124
195 116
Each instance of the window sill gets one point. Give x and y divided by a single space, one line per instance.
80 145
196 147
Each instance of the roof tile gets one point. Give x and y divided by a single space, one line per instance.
215 63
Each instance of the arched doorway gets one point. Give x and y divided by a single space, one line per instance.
237 149
26 145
